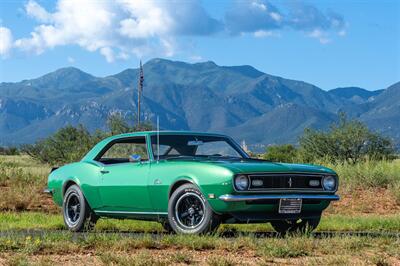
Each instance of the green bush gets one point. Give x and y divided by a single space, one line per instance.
71 143
66 145
9 151
347 140
281 153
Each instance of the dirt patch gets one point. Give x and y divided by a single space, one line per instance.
365 201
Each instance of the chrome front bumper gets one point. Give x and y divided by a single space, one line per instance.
238 198
48 191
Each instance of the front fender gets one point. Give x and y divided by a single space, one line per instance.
210 190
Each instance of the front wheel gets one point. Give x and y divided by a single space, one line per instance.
291 226
190 213
76 211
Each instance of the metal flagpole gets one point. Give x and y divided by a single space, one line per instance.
140 88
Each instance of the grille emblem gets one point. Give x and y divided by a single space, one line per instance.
290 182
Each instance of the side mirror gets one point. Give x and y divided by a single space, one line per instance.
134 158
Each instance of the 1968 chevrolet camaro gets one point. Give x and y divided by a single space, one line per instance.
190 182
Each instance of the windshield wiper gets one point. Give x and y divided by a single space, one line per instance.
178 157
224 157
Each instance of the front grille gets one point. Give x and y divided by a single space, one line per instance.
285 182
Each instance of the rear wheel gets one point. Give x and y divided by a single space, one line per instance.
76 211
190 213
292 226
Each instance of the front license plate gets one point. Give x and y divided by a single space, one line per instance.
290 205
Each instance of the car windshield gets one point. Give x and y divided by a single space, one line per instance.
198 146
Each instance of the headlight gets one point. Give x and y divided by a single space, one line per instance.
241 182
329 183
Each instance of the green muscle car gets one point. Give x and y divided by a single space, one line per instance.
190 182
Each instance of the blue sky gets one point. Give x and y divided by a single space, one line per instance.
327 43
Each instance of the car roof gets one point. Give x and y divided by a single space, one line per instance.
165 132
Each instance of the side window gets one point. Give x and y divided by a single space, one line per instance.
120 151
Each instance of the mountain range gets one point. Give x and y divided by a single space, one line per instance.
237 100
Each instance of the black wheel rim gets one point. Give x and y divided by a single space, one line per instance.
72 210
189 210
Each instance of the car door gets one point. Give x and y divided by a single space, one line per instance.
123 185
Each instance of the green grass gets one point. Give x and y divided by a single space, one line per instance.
367 174
31 220
115 249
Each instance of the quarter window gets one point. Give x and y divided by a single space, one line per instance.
120 151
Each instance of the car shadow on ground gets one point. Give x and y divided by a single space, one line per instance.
223 234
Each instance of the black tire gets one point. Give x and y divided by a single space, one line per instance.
190 213
77 213
295 226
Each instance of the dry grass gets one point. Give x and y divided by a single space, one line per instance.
362 201
114 250
22 181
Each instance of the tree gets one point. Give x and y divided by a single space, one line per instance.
71 143
68 144
281 153
347 140
9 151
118 125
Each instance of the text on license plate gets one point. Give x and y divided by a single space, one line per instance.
290 205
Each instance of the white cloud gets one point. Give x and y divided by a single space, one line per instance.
120 29
71 60
108 53
260 18
276 16
320 35
196 58
147 19
263 33
116 29
342 33
259 5
34 10
6 41
251 17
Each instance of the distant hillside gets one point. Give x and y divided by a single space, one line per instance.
239 100
355 94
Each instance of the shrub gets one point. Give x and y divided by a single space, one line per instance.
66 145
281 153
347 140
71 143
9 151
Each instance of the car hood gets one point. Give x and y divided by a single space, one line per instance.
265 166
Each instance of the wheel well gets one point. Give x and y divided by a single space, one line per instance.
176 185
67 185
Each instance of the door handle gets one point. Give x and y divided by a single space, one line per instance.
104 171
